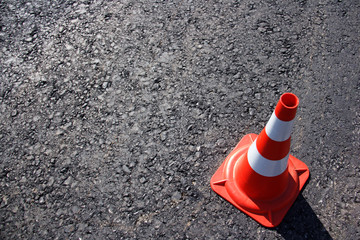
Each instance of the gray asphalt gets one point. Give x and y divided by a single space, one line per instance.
115 115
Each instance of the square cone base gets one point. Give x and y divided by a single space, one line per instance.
268 218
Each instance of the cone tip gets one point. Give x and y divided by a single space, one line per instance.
286 108
289 100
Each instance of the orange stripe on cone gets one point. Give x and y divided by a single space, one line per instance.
271 149
261 187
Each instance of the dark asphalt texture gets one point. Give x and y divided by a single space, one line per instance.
114 116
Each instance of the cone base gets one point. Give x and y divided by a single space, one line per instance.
268 213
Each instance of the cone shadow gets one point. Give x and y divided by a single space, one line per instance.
301 222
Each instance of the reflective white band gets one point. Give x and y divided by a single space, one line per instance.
263 166
277 129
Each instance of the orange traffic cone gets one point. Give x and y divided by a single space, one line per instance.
259 176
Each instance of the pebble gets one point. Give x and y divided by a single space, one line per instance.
14 113
29 39
75 209
59 132
251 111
69 228
248 90
51 181
68 181
283 50
261 29
163 136
157 224
126 169
15 209
176 196
220 142
4 201
23 179
142 180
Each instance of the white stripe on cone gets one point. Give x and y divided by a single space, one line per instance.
263 166
277 129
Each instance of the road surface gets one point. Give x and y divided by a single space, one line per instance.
115 115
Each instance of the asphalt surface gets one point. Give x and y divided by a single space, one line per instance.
114 116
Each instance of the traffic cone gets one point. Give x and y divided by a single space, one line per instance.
259 176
